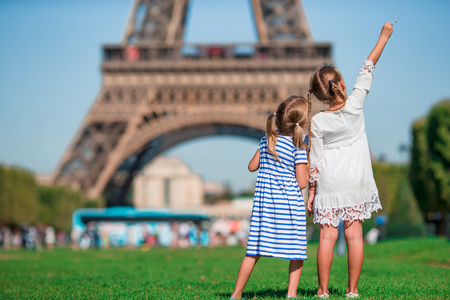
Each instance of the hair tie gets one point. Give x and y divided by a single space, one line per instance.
330 82
296 124
310 91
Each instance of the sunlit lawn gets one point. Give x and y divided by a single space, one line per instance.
398 269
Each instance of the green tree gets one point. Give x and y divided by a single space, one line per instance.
405 218
18 196
430 159
58 203
398 201
388 178
248 193
22 201
420 174
439 152
5 196
405 211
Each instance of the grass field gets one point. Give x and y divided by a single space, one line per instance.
399 269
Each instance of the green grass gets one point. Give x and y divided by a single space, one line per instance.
399 269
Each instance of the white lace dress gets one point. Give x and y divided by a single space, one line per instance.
340 160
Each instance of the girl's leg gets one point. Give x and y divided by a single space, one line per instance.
328 237
245 270
295 271
355 244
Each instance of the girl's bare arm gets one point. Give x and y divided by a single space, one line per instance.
253 165
301 174
382 40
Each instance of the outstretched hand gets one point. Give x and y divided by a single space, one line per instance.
387 30
385 34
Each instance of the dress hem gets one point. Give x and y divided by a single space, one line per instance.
351 213
266 255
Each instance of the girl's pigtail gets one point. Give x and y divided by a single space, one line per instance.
298 136
271 135
336 90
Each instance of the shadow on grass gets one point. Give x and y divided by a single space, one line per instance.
280 293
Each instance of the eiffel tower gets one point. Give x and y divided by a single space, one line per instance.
159 91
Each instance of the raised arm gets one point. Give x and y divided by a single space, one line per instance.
382 40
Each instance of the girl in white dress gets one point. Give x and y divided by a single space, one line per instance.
342 187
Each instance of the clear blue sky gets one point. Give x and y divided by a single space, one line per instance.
50 55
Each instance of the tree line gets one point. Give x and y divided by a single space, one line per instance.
430 163
23 201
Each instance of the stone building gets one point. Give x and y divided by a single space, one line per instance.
167 182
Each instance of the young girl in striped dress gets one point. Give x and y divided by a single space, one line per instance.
278 223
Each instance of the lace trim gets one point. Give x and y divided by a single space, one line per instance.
346 143
314 173
332 216
368 67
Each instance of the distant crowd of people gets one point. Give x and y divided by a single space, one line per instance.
214 233
219 232
31 237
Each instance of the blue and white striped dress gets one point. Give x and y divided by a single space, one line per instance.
278 224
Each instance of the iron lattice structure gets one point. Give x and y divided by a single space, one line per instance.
158 91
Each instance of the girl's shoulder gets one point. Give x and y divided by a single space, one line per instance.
318 118
262 142
286 138
328 116
287 142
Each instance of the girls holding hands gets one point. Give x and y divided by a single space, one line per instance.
342 187
278 223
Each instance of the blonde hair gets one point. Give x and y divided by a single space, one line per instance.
289 119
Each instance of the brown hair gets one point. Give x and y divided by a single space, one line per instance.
309 121
289 119
323 84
